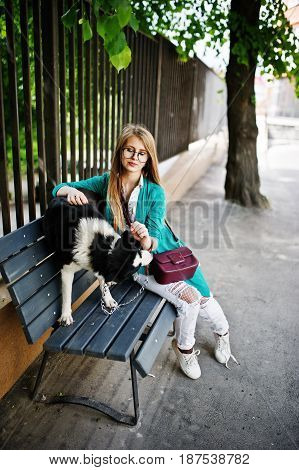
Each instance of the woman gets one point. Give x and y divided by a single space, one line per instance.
134 178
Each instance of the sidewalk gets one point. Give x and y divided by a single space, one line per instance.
250 259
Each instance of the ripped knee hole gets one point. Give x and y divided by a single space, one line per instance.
187 293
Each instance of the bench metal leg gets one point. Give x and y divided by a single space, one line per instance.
84 401
134 389
40 375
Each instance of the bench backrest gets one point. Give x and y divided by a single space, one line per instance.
32 274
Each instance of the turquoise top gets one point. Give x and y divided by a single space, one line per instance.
150 211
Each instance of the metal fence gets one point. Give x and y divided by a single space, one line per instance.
62 104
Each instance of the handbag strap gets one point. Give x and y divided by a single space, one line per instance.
125 210
175 237
129 221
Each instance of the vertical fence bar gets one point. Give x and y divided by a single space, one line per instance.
146 84
50 75
112 141
119 88
62 87
4 195
102 92
193 71
151 46
80 97
72 97
107 110
139 77
14 112
125 91
158 89
142 79
130 77
174 81
95 52
128 72
27 108
125 97
154 73
135 79
87 99
40 125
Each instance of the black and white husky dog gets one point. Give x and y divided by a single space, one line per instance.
83 239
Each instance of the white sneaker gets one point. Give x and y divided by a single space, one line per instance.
222 350
188 362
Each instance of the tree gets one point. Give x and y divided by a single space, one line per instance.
259 34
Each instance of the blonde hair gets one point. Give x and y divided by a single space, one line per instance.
150 170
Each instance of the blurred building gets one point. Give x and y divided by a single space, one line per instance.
292 12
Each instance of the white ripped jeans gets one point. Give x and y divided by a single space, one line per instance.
189 304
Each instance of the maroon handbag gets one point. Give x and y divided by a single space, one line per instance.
173 265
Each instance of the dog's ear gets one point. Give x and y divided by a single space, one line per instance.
126 238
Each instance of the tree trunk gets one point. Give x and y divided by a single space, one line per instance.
242 183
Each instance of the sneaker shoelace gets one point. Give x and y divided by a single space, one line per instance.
222 345
191 357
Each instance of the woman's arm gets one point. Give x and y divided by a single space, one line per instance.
156 216
150 232
96 184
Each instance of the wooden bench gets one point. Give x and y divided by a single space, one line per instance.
32 274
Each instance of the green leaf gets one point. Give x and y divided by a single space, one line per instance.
117 45
101 26
121 60
112 27
87 31
95 7
134 23
108 27
114 3
124 14
69 17
179 49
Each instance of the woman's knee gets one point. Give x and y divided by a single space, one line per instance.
184 292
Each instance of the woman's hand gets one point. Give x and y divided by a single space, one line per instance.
140 233
74 196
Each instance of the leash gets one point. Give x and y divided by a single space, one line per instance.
118 306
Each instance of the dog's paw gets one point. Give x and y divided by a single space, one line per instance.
66 319
110 303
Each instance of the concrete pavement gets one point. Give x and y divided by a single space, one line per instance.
250 259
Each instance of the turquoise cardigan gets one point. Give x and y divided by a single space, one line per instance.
150 211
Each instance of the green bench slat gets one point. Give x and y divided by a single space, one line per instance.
62 335
25 287
153 343
49 293
50 315
89 329
109 331
16 265
86 332
20 238
41 299
124 344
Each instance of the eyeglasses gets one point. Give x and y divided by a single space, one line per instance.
129 152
